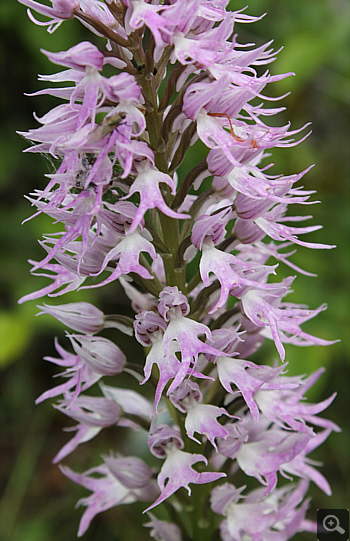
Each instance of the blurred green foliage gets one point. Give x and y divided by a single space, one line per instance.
37 503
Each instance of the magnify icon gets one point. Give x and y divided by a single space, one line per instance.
331 524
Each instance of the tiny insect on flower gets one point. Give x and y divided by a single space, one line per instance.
87 162
253 143
108 124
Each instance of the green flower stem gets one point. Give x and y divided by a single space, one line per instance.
163 64
102 28
194 282
154 121
168 231
201 517
167 228
214 388
152 286
176 418
179 519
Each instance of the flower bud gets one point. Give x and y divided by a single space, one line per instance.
161 437
92 411
78 57
185 395
210 227
148 327
227 340
119 217
131 471
81 316
100 354
61 9
247 231
223 496
172 303
162 529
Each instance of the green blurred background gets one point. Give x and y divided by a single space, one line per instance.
37 501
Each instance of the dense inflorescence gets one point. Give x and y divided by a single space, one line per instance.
179 75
